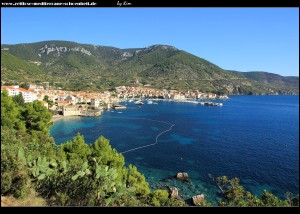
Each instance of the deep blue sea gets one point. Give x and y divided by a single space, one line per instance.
254 138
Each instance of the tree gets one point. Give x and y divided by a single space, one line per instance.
102 150
10 113
76 152
137 180
50 102
25 86
108 156
19 100
159 197
37 117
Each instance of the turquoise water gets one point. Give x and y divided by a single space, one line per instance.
255 138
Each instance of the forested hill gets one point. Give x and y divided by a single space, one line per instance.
283 83
77 66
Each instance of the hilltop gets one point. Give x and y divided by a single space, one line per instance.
75 66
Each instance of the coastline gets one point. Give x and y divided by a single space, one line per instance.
56 118
59 117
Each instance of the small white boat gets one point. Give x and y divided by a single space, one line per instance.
139 103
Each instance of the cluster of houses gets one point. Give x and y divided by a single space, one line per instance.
59 97
68 102
125 92
81 103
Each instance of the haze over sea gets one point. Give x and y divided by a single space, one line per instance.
254 138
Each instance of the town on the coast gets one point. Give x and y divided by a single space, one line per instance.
80 103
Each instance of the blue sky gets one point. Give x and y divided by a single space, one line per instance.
242 39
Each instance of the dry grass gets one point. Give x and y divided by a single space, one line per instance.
32 200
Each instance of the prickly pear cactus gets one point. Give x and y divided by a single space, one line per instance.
41 168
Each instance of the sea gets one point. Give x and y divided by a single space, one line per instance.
254 138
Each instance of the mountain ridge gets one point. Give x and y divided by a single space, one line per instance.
95 67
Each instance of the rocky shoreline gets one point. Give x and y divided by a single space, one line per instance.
175 190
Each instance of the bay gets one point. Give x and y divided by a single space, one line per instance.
254 138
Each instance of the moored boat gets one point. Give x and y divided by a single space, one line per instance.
139 103
119 106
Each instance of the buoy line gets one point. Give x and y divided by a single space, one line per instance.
156 139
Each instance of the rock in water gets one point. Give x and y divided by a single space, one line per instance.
197 199
182 176
174 192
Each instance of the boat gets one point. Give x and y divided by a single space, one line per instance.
211 104
139 103
208 104
149 102
119 106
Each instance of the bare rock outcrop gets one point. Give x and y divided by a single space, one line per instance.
197 199
183 176
174 192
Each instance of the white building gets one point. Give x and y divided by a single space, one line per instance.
179 97
28 96
12 89
95 102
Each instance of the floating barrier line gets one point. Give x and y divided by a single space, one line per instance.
141 118
156 139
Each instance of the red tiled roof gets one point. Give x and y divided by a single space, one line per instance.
7 87
23 90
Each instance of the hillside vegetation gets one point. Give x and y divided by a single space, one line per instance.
92 67
274 82
13 68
